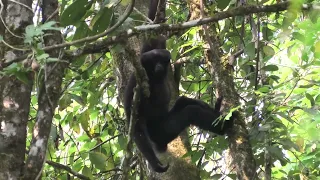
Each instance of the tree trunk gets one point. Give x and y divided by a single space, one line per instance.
179 168
222 73
15 94
48 97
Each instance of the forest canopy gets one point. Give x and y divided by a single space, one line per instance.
65 64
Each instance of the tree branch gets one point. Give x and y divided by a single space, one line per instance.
133 120
239 11
95 37
68 169
103 45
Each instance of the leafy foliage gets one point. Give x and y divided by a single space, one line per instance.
279 90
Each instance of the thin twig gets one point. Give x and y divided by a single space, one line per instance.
144 16
29 8
102 143
68 169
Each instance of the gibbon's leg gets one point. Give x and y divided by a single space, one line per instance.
144 145
186 112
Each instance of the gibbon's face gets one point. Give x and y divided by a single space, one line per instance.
156 63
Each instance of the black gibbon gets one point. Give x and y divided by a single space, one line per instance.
156 125
152 109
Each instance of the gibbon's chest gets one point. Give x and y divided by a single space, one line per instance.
158 102
159 94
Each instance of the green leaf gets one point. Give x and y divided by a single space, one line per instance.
285 116
265 127
305 56
314 15
264 89
78 99
42 57
196 155
82 31
306 86
49 26
310 98
274 77
217 176
98 159
122 141
270 68
51 59
102 20
84 120
317 99
288 144
298 36
23 76
64 102
317 47
87 172
53 132
268 50
250 50
222 4
267 33
74 124
85 75
74 13
277 154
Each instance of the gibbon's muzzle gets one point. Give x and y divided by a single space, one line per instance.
159 68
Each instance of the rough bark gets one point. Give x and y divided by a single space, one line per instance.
15 95
222 73
48 97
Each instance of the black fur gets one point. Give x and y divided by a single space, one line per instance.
153 109
184 113
156 125
155 59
